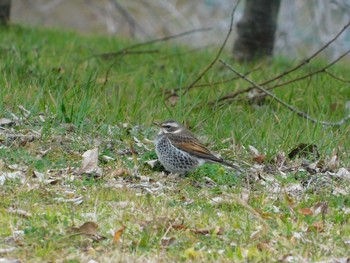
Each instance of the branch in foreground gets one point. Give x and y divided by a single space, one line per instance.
293 109
231 96
217 55
304 62
307 60
126 49
173 91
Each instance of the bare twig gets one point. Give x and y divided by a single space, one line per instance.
336 77
173 91
130 52
217 55
293 109
304 62
231 96
127 51
307 60
166 38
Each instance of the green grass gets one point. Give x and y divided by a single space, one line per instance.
51 73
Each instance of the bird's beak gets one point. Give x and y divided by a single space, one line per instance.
157 124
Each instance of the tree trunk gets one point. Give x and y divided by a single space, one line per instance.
256 30
5 6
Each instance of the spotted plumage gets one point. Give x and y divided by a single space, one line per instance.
180 151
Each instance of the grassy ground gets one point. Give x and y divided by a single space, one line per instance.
277 209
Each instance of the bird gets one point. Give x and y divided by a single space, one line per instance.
179 150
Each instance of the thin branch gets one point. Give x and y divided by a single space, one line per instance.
171 92
291 108
217 55
304 62
130 52
307 60
166 38
336 77
126 51
231 96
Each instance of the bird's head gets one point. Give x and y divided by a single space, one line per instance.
169 126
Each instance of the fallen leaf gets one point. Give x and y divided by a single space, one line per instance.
5 251
90 162
26 113
178 227
121 172
342 172
88 229
107 158
264 246
6 122
216 231
167 241
12 176
253 151
153 163
173 99
76 201
19 212
305 211
117 234
316 226
332 161
259 158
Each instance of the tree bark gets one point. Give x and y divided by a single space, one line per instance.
256 30
5 7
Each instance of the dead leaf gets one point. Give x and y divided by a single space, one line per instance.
216 231
12 176
305 211
173 99
6 122
117 234
88 229
76 201
316 226
90 163
264 246
332 161
260 158
342 172
253 151
121 172
167 241
26 113
321 208
19 212
178 227
153 163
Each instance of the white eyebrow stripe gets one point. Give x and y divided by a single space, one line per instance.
177 131
172 124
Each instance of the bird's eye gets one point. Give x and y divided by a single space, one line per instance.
166 126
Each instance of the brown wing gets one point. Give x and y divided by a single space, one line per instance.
192 145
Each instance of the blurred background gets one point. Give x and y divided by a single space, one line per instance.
303 26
